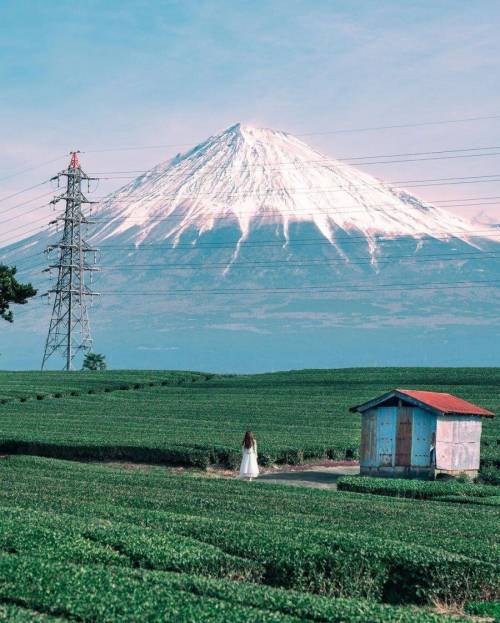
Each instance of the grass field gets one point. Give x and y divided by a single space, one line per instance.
193 418
88 542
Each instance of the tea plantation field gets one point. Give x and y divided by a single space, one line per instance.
196 418
85 542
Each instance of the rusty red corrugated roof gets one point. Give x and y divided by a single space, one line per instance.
446 403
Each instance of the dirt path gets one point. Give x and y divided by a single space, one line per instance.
321 475
318 476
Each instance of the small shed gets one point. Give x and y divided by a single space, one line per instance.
410 433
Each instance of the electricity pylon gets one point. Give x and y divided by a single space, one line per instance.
69 329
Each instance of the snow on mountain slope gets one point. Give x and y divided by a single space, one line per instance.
253 177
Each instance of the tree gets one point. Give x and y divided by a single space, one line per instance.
12 292
94 361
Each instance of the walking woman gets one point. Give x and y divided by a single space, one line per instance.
249 468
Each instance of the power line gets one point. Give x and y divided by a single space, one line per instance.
346 158
311 290
20 205
374 205
235 193
167 174
270 212
319 133
24 190
422 257
298 241
274 166
352 288
402 125
31 168
419 183
288 265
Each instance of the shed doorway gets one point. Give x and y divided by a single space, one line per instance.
403 437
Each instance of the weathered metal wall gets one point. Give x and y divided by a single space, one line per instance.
424 425
367 451
458 440
386 436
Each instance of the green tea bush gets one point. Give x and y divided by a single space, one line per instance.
416 489
489 609
306 543
192 457
114 594
489 475
16 614
352 565
172 552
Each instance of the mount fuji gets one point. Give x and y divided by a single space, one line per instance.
253 251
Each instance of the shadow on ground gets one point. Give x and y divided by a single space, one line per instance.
318 477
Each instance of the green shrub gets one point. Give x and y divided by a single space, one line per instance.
115 594
416 489
172 552
291 456
188 457
351 565
266 459
489 475
484 609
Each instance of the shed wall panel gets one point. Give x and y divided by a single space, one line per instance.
404 435
386 435
444 443
367 452
458 442
424 425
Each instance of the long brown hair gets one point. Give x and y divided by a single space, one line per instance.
248 440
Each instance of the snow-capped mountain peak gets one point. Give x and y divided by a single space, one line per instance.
251 176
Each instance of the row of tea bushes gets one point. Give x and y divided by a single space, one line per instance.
335 565
343 564
114 594
415 489
155 497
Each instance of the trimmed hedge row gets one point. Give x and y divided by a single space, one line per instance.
23 386
172 552
108 390
119 594
306 606
190 457
350 565
10 613
337 565
415 489
493 500
109 594
181 455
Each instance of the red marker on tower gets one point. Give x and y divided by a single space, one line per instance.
75 161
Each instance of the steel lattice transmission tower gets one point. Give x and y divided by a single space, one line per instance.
69 330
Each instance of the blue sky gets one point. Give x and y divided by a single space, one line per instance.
94 75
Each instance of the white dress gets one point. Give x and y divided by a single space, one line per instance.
249 467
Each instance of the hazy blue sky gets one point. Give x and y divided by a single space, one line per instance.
97 74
